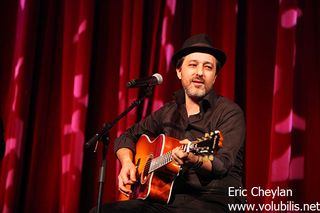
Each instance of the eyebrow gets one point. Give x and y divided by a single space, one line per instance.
205 62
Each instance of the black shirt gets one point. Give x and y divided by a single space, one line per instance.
216 113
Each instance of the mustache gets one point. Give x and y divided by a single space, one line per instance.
198 79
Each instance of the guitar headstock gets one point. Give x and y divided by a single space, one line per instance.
210 143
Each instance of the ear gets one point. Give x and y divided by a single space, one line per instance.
178 73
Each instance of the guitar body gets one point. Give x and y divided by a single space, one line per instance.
158 184
156 170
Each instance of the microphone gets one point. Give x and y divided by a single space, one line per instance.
148 81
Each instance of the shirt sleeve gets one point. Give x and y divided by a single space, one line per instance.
232 126
150 126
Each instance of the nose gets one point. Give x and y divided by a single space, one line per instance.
200 70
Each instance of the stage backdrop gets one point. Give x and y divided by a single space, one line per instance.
64 65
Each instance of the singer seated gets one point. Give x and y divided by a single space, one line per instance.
197 180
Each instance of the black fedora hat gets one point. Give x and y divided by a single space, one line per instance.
199 43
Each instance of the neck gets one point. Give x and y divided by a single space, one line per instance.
192 106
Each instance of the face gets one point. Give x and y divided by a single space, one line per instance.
197 74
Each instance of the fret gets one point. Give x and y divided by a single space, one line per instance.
166 158
160 161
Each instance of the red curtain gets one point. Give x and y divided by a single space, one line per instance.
63 72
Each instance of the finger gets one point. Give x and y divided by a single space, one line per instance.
120 182
179 155
127 194
133 175
177 159
124 188
124 178
190 156
184 141
182 154
175 150
174 160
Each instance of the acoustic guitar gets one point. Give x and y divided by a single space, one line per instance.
156 171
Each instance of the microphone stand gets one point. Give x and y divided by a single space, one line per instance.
103 137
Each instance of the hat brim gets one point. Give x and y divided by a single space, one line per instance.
218 54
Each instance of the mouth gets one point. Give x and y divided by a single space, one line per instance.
198 82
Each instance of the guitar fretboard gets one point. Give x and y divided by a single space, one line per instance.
160 161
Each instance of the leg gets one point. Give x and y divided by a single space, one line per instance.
133 206
184 203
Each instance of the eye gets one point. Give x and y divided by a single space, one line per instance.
192 65
208 67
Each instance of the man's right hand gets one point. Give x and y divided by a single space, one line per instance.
127 175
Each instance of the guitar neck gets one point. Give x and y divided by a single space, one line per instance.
160 161
215 139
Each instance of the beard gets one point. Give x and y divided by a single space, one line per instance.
194 92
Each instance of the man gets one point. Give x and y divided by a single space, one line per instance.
202 184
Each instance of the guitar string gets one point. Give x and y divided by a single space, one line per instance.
162 160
